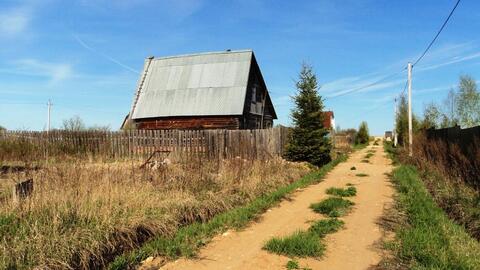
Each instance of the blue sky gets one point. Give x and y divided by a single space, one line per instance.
86 55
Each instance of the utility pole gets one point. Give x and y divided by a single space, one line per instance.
410 139
49 106
395 123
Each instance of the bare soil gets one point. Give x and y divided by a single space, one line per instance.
354 247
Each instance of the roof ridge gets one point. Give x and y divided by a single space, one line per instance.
203 53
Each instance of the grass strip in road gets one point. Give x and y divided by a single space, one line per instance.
429 239
359 146
333 207
304 243
190 238
342 192
368 155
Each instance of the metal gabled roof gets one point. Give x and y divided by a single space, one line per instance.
193 85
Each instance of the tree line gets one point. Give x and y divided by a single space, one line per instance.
461 107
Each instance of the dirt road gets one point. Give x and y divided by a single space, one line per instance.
354 247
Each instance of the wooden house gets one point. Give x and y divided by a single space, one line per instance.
217 90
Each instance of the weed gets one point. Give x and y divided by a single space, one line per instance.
365 161
353 168
342 192
292 264
361 174
332 207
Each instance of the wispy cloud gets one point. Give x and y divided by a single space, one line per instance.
54 72
109 58
438 58
15 21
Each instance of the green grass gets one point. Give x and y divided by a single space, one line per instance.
353 168
368 155
190 238
429 240
326 226
361 174
299 244
292 264
359 146
304 243
342 192
333 207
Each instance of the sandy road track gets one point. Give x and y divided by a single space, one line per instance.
353 247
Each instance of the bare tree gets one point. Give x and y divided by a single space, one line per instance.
74 123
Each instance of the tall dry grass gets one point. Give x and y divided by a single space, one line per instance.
82 214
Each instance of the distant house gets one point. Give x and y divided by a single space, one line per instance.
328 120
217 90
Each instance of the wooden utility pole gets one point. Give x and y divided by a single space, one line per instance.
410 139
395 123
49 106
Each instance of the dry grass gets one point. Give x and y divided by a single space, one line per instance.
83 214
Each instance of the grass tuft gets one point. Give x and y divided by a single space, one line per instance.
342 192
361 174
332 207
353 168
326 226
369 155
299 244
292 264
365 161
304 243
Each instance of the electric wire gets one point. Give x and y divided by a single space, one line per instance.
438 33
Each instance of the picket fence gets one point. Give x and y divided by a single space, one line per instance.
249 144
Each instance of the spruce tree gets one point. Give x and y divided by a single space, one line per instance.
308 140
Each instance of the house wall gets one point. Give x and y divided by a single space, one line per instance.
256 102
192 122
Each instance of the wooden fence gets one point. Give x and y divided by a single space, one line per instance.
250 144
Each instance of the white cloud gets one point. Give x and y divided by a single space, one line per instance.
14 22
55 72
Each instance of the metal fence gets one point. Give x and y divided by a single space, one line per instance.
249 144
462 137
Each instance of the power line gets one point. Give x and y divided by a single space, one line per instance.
438 33
368 85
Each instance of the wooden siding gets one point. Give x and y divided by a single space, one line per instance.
193 122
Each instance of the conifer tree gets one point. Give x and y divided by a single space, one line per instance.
309 141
